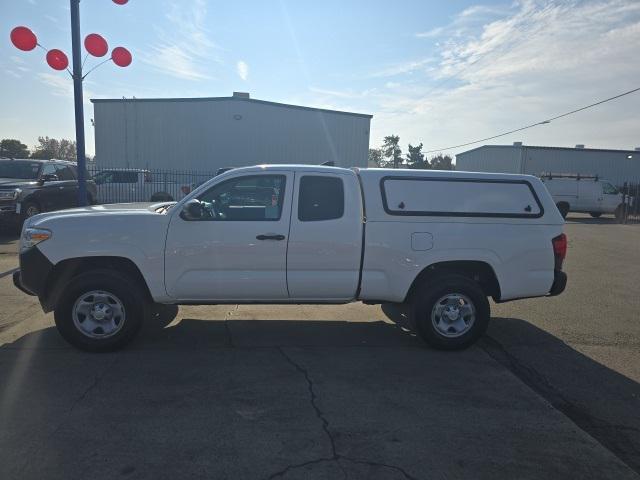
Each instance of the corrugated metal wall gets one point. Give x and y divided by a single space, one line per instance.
490 158
208 134
613 165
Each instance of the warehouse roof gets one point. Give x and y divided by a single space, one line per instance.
234 98
581 149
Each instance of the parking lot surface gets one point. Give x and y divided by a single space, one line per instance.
337 391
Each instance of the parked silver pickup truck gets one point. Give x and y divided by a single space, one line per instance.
128 185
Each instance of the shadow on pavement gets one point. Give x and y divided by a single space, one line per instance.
599 400
312 399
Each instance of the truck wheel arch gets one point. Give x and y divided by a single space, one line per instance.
67 269
479 271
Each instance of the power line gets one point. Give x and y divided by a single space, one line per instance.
544 122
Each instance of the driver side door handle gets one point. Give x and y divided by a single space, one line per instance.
270 237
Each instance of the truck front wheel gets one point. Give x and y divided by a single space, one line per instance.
100 311
450 312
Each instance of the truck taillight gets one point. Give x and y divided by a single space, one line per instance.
186 189
559 250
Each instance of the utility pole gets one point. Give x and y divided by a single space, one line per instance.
78 101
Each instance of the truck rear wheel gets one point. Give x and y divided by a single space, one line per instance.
450 312
595 214
100 311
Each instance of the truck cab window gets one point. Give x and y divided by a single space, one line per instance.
320 198
609 189
49 169
248 198
64 172
125 177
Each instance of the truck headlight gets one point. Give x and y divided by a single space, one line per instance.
32 237
10 194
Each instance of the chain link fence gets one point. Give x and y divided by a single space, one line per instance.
127 185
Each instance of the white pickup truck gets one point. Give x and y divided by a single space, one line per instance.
442 242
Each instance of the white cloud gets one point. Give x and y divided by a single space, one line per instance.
404 67
185 49
501 69
59 84
243 70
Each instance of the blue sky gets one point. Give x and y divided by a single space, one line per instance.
435 72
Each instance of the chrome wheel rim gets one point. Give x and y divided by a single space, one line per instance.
453 315
98 314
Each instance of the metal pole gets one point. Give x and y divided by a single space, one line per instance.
77 98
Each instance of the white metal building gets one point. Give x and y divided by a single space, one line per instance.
618 166
209 133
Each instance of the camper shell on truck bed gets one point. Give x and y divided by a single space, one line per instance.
439 241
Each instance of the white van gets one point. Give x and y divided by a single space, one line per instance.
585 194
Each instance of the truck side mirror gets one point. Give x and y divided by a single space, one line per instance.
192 210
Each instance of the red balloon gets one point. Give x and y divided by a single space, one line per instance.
23 38
57 59
96 45
121 56
120 2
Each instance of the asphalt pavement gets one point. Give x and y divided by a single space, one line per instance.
337 391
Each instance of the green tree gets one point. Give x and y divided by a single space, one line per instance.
49 148
375 157
391 150
12 148
442 162
415 157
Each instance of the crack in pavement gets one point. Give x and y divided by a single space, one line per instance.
610 436
96 380
335 456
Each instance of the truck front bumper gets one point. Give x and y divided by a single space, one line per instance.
8 211
559 283
34 271
18 283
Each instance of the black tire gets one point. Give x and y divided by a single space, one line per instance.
120 287
425 299
563 208
595 214
161 197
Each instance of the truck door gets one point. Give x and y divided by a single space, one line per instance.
50 195
237 251
588 196
325 239
68 187
610 198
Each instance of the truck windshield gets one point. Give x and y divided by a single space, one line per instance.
23 170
